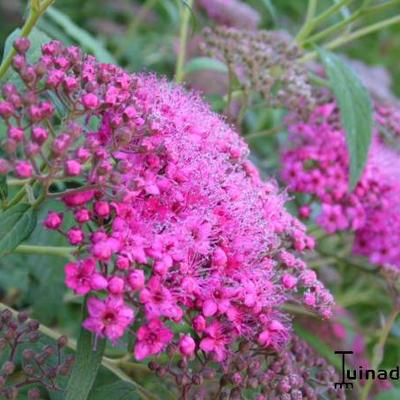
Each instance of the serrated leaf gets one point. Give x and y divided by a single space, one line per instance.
205 63
16 224
84 38
3 188
89 354
116 391
355 110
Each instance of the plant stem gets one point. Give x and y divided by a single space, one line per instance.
17 198
18 182
329 12
267 132
334 28
133 27
352 36
360 13
183 35
65 252
381 7
318 80
379 349
230 90
308 25
34 14
362 32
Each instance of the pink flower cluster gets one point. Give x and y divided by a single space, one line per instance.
172 224
232 13
316 162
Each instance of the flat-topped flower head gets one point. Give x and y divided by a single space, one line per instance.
172 222
316 162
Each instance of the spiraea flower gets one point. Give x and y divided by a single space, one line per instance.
316 163
263 61
231 13
172 223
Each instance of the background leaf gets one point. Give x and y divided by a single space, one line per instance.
393 394
271 10
84 38
16 224
3 188
88 359
116 391
355 110
205 63
321 347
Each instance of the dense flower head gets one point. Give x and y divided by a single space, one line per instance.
316 163
253 56
233 13
172 224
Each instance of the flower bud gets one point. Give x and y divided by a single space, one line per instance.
6 109
122 263
34 394
101 209
116 285
187 345
72 168
8 368
136 279
16 134
219 258
199 323
75 236
62 341
289 281
53 220
82 216
22 317
90 101
98 282
22 45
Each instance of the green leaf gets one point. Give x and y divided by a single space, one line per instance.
3 188
271 9
89 354
355 110
205 63
116 391
321 347
16 224
393 394
84 38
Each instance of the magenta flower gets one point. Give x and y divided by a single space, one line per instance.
108 318
159 301
171 219
215 340
82 277
316 163
151 339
